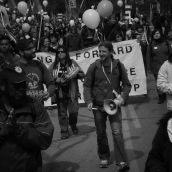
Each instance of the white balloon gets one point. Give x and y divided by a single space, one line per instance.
120 3
17 20
26 27
72 23
136 19
29 18
46 18
91 18
22 7
45 3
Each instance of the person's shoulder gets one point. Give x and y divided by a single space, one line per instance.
38 63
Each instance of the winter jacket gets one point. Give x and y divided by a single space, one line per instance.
160 156
157 53
96 86
20 151
164 82
74 41
73 92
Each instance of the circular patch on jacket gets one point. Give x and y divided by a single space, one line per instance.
18 69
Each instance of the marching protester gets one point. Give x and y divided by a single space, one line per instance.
157 53
66 73
160 156
36 72
7 50
25 126
74 40
103 81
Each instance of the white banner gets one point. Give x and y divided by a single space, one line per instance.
128 52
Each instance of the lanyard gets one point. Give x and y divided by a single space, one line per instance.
116 94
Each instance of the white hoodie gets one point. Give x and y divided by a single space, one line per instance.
164 82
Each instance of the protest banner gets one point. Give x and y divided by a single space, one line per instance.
128 52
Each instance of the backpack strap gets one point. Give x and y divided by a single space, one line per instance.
33 110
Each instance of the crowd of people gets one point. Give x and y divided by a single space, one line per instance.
25 126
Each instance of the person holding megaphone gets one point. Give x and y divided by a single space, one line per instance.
106 88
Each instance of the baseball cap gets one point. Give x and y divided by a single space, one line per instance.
24 44
14 74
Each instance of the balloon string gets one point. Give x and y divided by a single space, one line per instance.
2 18
81 4
40 32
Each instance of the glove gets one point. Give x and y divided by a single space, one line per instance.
45 95
119 101
58 79
90 105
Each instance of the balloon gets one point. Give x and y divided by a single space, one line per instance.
91 18
17 20
136 19
120 3
105 8
26 27
46 18
72 23
29 18
22 7
45 3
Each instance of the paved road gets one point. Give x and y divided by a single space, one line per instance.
79 153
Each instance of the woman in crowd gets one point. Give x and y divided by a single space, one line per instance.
157 53
66 73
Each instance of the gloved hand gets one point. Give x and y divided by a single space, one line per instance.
58 79
90 106
45 95
119 101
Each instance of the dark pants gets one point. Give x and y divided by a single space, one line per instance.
65 106
100 118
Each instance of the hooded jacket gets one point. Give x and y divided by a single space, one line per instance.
96 86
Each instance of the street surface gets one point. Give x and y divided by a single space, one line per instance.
79 152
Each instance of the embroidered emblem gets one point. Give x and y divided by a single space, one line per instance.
18 69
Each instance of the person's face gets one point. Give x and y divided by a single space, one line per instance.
29 53
4 45
104 53
61 55
157 35
16 92
46 42
140 30
118 38
53 42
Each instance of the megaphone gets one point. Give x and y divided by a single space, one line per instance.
110 107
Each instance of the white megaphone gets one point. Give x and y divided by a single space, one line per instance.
110 107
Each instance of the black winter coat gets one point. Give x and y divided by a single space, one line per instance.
160 156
